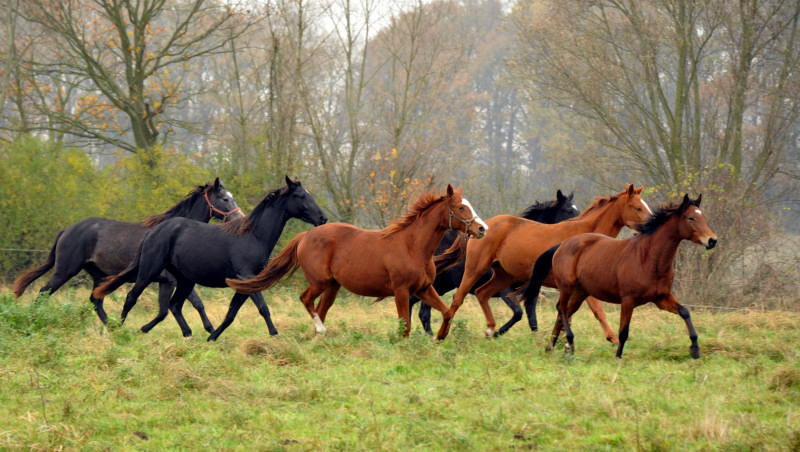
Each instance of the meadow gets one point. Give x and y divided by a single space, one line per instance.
69 383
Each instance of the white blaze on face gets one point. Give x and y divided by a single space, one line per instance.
474 215
647 208
318 325
697 211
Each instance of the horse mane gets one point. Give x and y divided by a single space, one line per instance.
661 215
178 210
425 201
538 207
597 203
241 226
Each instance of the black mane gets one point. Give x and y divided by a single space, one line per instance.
241 226
538 209
181 209
662 214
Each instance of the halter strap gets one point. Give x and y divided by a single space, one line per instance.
212 209
466 222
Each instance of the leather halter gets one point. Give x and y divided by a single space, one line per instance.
212 209
466 222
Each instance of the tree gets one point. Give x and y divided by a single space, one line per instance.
125 58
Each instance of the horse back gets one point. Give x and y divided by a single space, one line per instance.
593 261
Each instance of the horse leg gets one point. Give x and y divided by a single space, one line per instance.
327 299
597 308
401 301
174 305
97 279
236 303
626 311
307 297
516 317
197 303
261 304
575 301
563 299
500 280
670 304
473 270
431 298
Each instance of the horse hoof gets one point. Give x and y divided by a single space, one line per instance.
489 333
273 333
694 352
548 349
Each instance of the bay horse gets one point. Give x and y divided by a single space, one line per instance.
556 211
198 253
629 272
513 244
394 261
103 247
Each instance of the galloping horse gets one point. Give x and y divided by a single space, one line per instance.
104 247
397 260
628 272
548 212
513 244
198 253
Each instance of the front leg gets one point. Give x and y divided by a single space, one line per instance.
401 296
433 300
670 304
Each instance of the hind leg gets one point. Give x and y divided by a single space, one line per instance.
197 303
327 299
433 300
174 305
236 303
500 280
569 300
307 298
469 279
597 309
263 309
514 318
97 279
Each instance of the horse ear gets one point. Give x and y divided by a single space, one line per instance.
631 191
217 183
685 201
571 195
639 190
559 195
697 201
289 182
449 191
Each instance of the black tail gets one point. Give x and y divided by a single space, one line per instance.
112 283
22 283
541 269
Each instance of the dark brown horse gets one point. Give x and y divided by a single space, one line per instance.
628 272
513 244
395 261
103 247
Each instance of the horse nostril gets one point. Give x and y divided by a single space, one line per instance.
481 229
323 219
711 243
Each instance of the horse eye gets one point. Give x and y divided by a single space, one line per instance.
691 219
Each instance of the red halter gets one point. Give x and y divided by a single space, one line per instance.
212 209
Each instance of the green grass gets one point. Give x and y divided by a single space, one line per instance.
67 382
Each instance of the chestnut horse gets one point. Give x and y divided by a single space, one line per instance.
628 272
513 244
397 260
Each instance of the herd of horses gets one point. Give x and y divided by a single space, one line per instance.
439 245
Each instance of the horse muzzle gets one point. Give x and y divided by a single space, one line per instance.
710 243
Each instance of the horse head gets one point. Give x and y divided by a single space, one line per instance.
301 204
221 203
693 226
635 210
464 215
564 208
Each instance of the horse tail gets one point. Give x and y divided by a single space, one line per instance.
112 283
285 263
22 283
451 255
541 269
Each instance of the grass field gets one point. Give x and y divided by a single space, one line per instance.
69 383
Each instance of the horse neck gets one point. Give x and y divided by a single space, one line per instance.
271 223
199 210
606 219
428 230
661 247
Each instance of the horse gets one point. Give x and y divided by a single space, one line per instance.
394 261
629 272
103 247
548 212
198 253
513 244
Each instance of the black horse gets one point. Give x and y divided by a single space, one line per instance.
104 247
550 212
197 253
